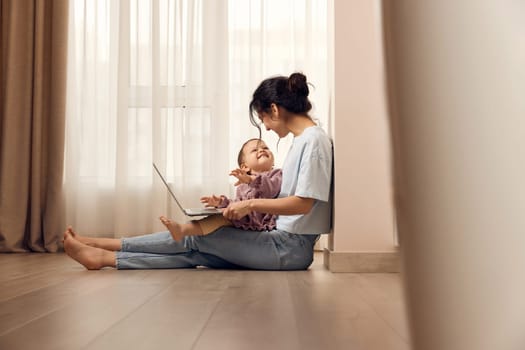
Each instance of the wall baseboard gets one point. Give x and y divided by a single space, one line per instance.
364 262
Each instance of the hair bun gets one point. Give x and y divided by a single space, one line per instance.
297 84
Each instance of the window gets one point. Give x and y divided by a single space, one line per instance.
170 81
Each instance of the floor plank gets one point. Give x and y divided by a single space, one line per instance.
32 272
173 318
332 314
384 293
77 324
28 307
254 313
47 301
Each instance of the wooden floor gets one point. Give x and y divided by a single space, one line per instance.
48 301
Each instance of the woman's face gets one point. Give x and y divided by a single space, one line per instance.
272 122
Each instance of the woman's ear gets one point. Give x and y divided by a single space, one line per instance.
275 110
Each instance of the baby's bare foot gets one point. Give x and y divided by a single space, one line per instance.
174 228
90 257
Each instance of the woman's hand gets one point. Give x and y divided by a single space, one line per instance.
237 210
212 201
242 176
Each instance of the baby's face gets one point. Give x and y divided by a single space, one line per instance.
257 156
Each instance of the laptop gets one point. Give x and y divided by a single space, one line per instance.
188 211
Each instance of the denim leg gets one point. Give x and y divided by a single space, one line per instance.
261 250
249 249
135 260
159 242
227 247
296 251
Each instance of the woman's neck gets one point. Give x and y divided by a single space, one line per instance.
298 123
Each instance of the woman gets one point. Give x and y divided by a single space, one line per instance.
303 206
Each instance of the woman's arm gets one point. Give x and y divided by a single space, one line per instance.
292 205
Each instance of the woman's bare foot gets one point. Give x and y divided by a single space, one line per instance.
113 244
81 239
90 257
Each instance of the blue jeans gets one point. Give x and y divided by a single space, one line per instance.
226 248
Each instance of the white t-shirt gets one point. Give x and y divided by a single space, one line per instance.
307 172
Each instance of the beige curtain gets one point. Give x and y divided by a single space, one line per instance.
33 40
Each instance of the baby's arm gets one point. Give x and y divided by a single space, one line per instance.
268 183
242 176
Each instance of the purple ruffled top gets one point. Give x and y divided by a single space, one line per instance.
265 185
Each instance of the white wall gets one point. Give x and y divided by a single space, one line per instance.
363 218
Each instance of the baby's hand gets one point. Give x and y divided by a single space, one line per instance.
212 201
242 176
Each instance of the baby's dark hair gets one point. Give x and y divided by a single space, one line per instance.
290 93
240 157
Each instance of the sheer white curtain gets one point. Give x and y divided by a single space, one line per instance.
275 37
169 81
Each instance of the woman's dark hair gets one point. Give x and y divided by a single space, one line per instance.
290 93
